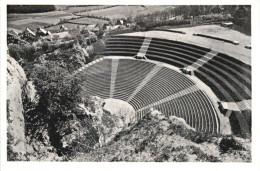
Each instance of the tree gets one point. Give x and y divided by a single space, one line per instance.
58 96
23 51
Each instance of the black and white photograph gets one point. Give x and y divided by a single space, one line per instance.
128 83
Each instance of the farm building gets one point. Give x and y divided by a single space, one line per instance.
12 37
96 29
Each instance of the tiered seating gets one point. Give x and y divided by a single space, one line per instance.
169 51
227 67
163 84
174 52
194 108
96 79
123 46
130 74
230 79
163 88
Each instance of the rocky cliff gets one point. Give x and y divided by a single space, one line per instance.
17 85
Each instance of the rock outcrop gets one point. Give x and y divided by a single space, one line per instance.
106 123
17 85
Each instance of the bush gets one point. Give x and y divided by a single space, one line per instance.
229 143
24 52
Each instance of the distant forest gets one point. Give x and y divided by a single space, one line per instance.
29 8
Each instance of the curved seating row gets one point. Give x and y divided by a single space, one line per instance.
230 78
232 71
124 45
234 87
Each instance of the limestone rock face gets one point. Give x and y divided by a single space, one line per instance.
17 84
16 79
106 123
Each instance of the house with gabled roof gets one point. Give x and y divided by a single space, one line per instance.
12 37
28 34
42 32
63 28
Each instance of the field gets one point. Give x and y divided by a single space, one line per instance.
125 11
35 20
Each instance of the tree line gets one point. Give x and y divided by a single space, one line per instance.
195 10
29 8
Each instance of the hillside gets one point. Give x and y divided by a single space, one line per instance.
157 138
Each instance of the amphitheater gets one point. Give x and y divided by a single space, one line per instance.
210 88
